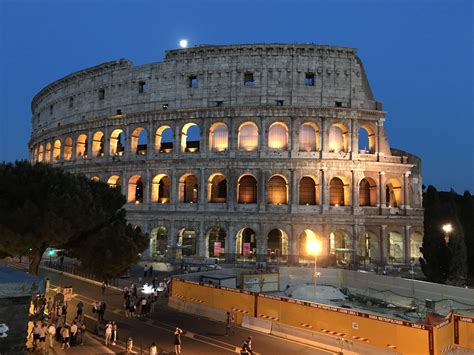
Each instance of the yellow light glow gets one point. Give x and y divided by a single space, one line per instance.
447 228
313 246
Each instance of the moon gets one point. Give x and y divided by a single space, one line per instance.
183 43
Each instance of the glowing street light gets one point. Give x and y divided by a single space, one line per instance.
313 246
183 43
447 228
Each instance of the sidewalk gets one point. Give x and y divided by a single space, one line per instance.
91 346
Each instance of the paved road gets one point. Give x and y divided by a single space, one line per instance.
201 336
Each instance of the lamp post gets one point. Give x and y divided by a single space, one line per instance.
447 228
313 246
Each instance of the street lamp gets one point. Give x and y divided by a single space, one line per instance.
447 228
313 246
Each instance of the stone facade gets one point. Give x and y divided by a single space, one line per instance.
256 147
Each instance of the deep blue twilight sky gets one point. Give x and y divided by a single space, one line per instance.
418 56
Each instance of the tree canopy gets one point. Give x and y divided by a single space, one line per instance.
44 207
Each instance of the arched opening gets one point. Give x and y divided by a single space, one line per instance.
277 245
306 236
416 241
187 243
57 150
393 193
135 189
338 138
95 178
247 189
114 181
248 137
216 243
218 137
67 150
278 136
117 143
98 145
309 137
308 193
160 189
190 138
40 153
164 139
159 242
367 192
81 146
339 194
35 154
277 190
369 248
366 139
139 141
246 244
47 153
217 189
396 248
340 244
188 189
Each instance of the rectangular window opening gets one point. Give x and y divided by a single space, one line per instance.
119 112
279 102
193 81
141 87
248 79
71 102
338 103
219 103
164 106
101 94
309 79
51 109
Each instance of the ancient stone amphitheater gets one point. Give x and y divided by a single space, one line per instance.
240 152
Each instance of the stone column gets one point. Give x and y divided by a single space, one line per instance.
293 200
147 187
230 241
324 190
204 139
293 246
73 151
294 147
174 197
231 189
406 200
262 191
354 192
384 244
406 244
324 135
150 143
172 241
353 146
381 194
202 190
262 244
106 143
177 139
128 142
202 247
89 145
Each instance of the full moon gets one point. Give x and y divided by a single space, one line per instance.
183 43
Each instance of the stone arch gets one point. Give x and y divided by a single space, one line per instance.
277 188
117 142
366 139
277 245
98 144
186 243
40 153
396 247
114 181
416 242
340 244
218 137
164 139
303 238
367 192
35 154
188 188
57 150
47 152
248 136
338 138
308 191
246 244
308 140
393 193
247 189
215 242
217 189
139 141
67 150
136 189
339 192
159 242
369 248
278 136
81 146
161 189
189 133
95 178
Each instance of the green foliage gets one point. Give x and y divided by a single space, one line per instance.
42 207
466 217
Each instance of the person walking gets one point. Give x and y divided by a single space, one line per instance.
35 334
80 308
150 271
177 341
64 312
153 349
108 333
81 331
230 319
65 336
114 332
145 271
51 334
103 287
74 331
43 330
248 346
129 345
102 308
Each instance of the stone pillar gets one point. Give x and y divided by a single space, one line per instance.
230 241
231 189
128 142
74 144
174 197
406 198
293 200
147 182
381 194
204 139
294 147
202 247
106 143
354 191
406 244
324 135
354 139
202 190
293 246
262 191
262 244
177 140
324 186
384 244
172 241
150 143
89 145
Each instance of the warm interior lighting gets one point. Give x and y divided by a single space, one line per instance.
313 246
447 228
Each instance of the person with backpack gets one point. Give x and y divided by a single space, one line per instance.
177 341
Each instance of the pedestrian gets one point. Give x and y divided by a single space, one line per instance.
95 309
64 312
59 326
43 330
114 332
129 345
230 319
74 330
80 307
153 282
177 341
150 271
143 307
126 305
65 336
81 331
153 349
51 334
145 270
108 333
49 307
35 334
103 286
132 310
102 308
248 346
134 290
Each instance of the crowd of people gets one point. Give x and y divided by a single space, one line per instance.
137 306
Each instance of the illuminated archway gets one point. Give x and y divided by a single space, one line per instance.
135 189
57 150
186 243
248 137
416 242
216 242
47 153
81 146
277 188
164 139
217 189
308 191
367 192
340 244
159 242
188 189
218 137
393 193
338 138
117 143
278 136
40 153
67 150
161 188
98 145
366 139
339 194
369 248
277 245
139 141
309 137
114 181
95 178
190 138
246 244
303 239
396 248
247 189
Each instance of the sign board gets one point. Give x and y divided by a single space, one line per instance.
246 249
67 291
217 248
58 299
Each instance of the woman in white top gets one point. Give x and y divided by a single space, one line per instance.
153 349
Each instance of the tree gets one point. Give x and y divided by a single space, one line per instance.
436 256
466 217
44 207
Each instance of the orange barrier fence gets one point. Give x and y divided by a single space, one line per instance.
464 331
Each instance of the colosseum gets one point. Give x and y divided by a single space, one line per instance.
240 152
